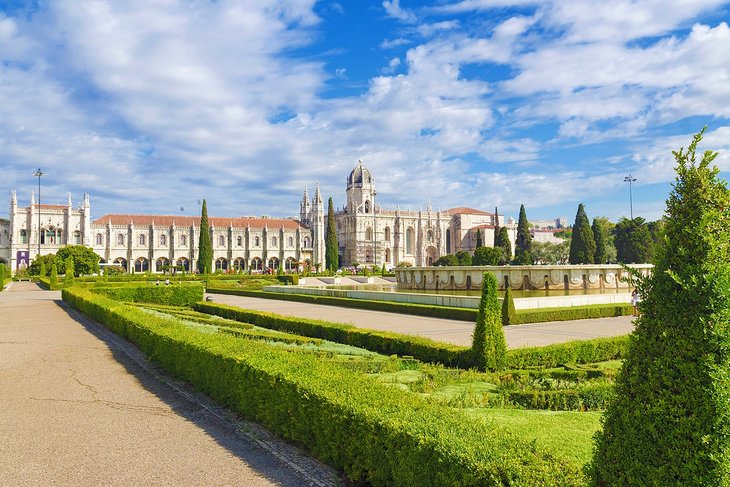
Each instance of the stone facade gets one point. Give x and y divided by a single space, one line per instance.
371 235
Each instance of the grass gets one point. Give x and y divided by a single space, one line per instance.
569 433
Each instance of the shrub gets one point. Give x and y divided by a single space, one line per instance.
175 294
376 434
670 422
54 274
68 278
509 316
489 347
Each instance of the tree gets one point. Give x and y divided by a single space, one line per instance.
478 242
447 260
582 245
463 257
634 243
550 253
504 244
86 261
489 347
488 256
3 274
496 228
509 315
523 242
42 270
601 256
331 254
54 274
43 261
669 423
607 227
205 252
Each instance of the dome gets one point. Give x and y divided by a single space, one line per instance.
359 175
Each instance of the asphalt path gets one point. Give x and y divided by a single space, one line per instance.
451 331
80 406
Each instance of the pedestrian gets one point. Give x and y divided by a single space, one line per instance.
635 300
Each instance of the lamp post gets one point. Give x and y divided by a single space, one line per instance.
630 179
39 173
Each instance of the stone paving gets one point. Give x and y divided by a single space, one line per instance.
451 331
81 406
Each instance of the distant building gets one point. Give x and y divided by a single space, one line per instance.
366 234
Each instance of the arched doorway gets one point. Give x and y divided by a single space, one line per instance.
141 265
221 264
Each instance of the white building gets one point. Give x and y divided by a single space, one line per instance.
366 233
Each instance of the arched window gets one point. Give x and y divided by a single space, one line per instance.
430 235
256 264
162 264
141 265
273 241
387 234
369 234
77 238
221 241
367 206
306 243
184 240
99 239
120 239
142 239
273 263
387 255
290 265
221 264
239 241
23 237
163 239
291 241
257 241
239 264
409 241
183 264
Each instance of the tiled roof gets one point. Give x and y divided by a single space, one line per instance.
186 221
464 209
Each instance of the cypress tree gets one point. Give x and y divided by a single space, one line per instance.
505 245
496 228
479 242
509 315
489 347
205 252
582 245
42 272
669 423
68 278
599 236
331 255
523 242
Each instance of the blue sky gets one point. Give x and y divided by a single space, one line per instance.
150 105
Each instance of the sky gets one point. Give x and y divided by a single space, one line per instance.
151 105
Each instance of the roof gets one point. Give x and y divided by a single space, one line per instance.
359 175
186 221
466 210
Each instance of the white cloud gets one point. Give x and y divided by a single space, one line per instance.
390 44
393 9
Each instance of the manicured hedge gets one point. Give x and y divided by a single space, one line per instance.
576 352
175 294
539 315
583 351
590 397
375 434
384 342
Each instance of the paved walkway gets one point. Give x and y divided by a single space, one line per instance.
451 331
80 406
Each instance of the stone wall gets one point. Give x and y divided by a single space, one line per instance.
557 277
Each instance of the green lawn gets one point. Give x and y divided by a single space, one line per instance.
570 433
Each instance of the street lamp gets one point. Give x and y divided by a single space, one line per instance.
630 179
39 173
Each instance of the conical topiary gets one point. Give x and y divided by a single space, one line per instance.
489 347
509 315
670 421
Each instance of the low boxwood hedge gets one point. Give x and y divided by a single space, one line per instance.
424 349
539 315
585 398
375 434
176 294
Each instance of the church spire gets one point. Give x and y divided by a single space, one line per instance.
32 198
317 195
